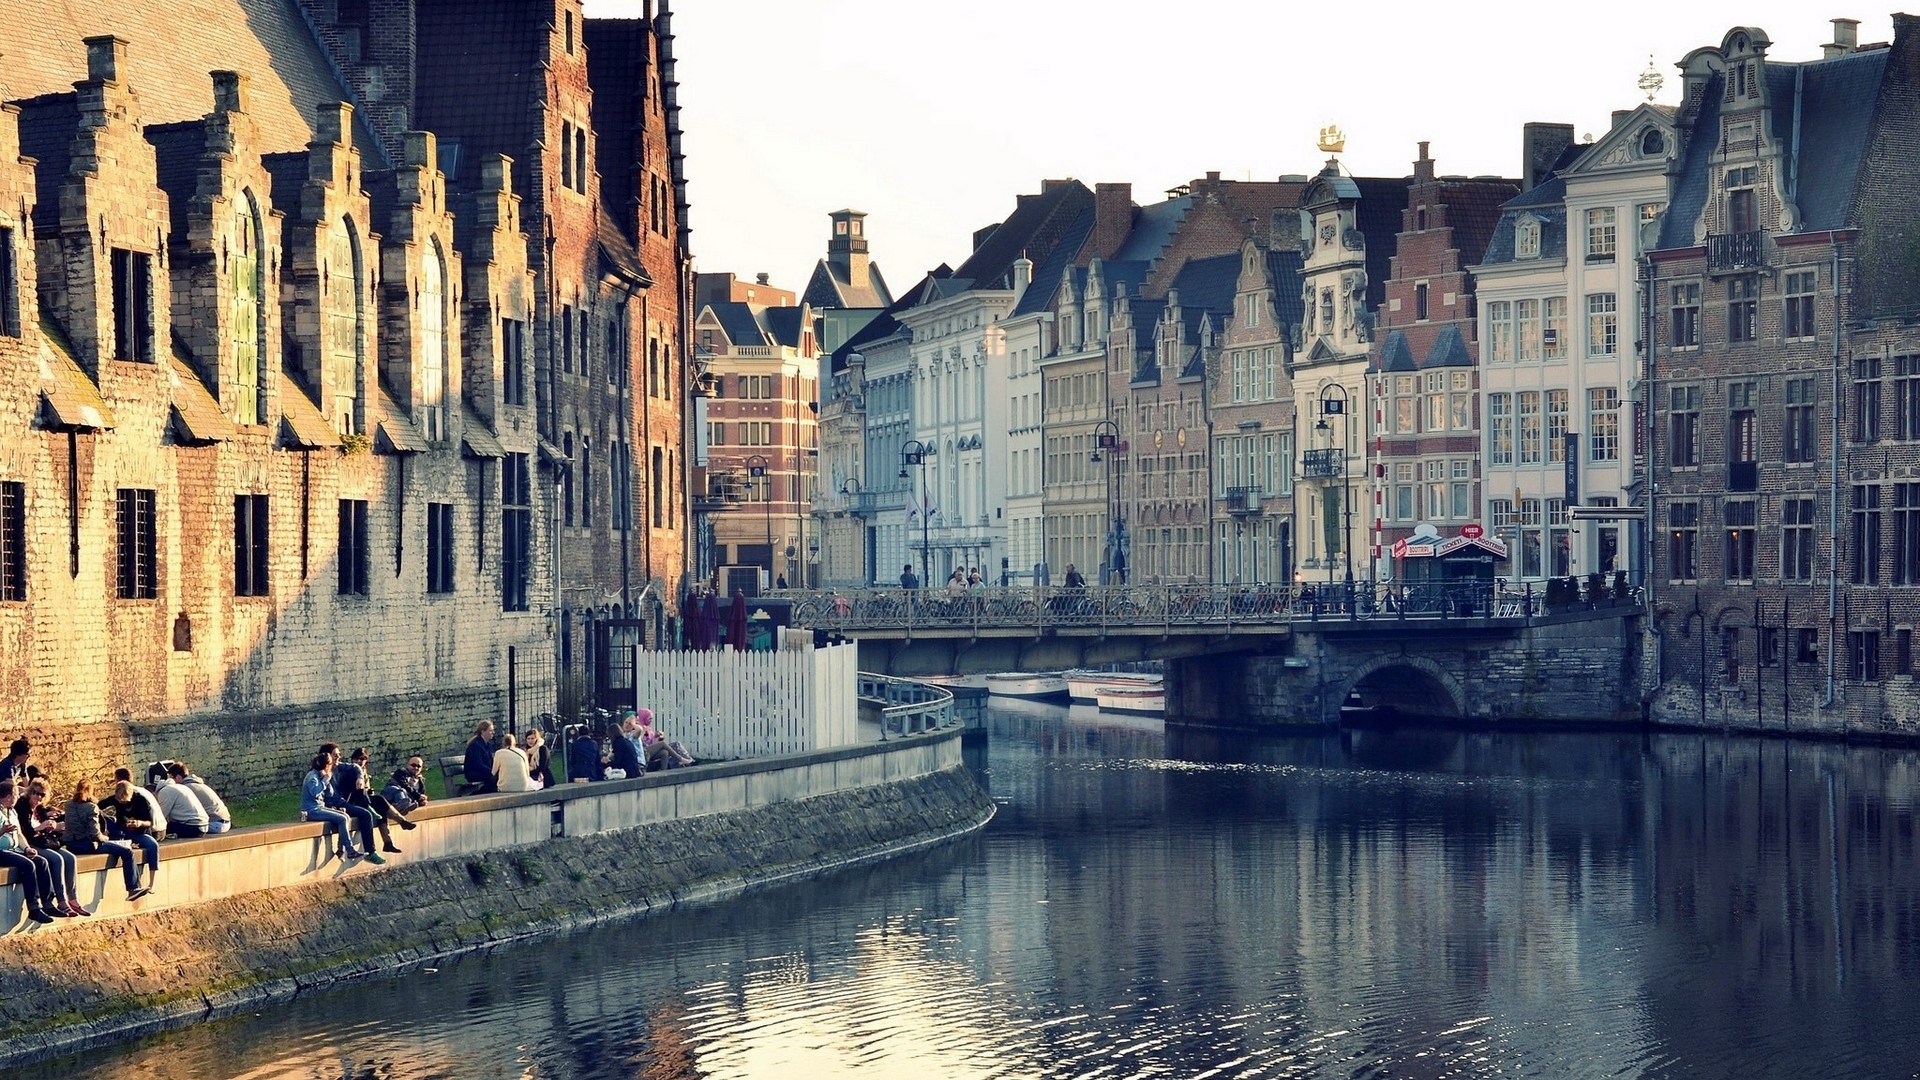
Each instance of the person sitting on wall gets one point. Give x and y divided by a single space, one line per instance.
511 770
407 791
129 818
539 762
583 758
15 765
84 838
18 856
315 791
156 816
479 765
352 781
346 793
219 818
626 753
185 816
46 832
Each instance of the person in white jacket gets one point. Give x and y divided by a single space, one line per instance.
219 819
185 816
510 769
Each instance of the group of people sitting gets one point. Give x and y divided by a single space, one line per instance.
340 794
630 747
40 839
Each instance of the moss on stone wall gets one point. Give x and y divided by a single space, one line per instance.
116 977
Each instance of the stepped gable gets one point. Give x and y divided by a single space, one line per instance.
172 47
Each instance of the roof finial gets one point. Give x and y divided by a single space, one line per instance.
1651 80
1332 139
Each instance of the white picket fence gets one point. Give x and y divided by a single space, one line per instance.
727 704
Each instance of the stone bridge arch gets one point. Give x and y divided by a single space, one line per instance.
1415 685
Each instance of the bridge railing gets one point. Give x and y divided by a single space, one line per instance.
1224 606
910 707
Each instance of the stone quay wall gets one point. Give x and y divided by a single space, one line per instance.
262 914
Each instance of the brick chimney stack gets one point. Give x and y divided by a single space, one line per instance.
1846 37
1112 219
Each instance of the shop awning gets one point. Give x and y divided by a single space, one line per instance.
1433 547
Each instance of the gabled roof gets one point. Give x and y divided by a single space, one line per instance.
1395 355
1836 122
887 323
1032 230
1382 201
1543 204
738 322
1283 269
1473 212
1153 227
830 288
1209 284
785 324
1449 349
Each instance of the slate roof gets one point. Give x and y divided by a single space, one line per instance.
478 83
1395 354
1153 227
1047 275
1036 225
1449 349
830 288
176 153
618 53
1209 284
738 323
196 416
47 127
1382 201
1132 272
885 324
171 48
1283 267
617 253
1546 203
785 324
71 400
1473 212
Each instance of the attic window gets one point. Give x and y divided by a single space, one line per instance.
1526 239
569 33
1653 143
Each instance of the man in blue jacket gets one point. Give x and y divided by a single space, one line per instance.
583 758
478 770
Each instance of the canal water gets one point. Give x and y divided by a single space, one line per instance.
1158 903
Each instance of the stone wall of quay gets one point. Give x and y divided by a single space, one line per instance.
259 915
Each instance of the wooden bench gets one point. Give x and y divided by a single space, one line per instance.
453 773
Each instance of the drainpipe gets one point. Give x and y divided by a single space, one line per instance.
1649 444
1833 501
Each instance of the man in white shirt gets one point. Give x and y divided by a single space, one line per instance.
219 820
185 816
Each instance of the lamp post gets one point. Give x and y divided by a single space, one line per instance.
757 471
914 452
704 388
1106 437
1335 404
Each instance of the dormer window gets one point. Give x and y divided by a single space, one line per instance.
1653 143
1526 239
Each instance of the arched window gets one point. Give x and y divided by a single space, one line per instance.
249 323
344 325
433 344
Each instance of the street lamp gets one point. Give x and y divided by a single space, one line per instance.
757 471
914 452
1106 437
1332 404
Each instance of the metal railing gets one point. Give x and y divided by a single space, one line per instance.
911 707
1217 607
1733 251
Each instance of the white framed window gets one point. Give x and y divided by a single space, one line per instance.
1603 325
1602 234
1500 331
1553 331
1526 239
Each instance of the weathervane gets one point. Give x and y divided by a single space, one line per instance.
1332 139
1651 80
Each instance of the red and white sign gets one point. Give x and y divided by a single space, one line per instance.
1472 532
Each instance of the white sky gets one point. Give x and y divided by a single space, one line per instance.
932 116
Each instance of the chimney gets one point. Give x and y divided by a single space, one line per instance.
1846 37
229 92
763 277
1112 219
1541 144
1022 275
106 58
1423 165
1283 230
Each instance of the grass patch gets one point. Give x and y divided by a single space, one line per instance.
277 808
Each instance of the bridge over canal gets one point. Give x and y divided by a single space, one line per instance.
1267 658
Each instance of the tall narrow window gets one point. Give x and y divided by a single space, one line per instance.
566 153
1798 438
433 344
250 571
1906 534
1741 518
1743 438
1529 412
516 531
343 300
1420 301
566 481
1797 544
1526 329
354 556
1556 425
659 477
513 361
1906 397
138 534
245 266
1602 233
1863 655
9 286
13 540
580 169
1603 325
1683 523
566 339
132 306
586 485
1798 324
1683 449
1500 428
1865 567
1499 330
1684 315
1743 305
1866 399
439 547
1603 424
1553 332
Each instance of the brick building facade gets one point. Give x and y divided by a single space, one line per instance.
288 457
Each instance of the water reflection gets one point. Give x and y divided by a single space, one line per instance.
1370 904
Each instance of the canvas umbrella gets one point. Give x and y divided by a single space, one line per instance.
737 622
709 621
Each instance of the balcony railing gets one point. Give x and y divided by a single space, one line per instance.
1323 464
1733 251
1243 500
